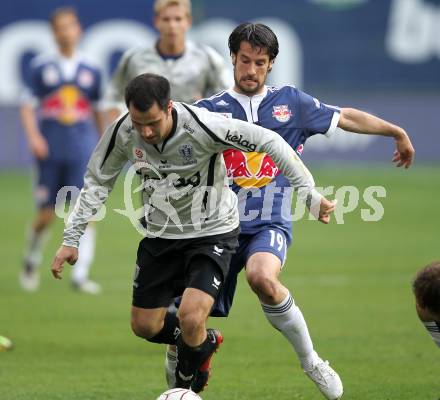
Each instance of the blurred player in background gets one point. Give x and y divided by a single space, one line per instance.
193 70
426 287
61 128
263 241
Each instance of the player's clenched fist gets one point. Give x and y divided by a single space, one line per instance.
325 209
64 253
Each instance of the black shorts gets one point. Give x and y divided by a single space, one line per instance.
165 267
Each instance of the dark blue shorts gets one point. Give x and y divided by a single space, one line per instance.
52 175
270 240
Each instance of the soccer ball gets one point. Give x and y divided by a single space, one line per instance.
179 394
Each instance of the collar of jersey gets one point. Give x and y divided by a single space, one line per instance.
243 97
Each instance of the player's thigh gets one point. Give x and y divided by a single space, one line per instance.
266 253
159 274
49 175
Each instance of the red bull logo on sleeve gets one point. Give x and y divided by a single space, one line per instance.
281 113
67 105
250 169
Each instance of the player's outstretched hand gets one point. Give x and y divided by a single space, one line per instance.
64 253
404 153
325 209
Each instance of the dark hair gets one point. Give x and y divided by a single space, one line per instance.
61 11
426 287
258 35
145 90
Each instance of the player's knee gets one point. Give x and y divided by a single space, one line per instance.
144 328
264 286
191 320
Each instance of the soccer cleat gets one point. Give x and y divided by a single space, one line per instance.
29 278
170 368
326 379
87 286
204 372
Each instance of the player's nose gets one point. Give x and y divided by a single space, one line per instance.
147 132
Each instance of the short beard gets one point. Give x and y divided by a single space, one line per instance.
247 90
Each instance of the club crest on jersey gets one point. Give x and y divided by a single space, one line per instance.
139 154
186 152
300 149
85 78
51 76
281 113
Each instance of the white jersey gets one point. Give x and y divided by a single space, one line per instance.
199 72
185 187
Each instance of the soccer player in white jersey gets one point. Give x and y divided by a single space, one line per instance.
194 70
61 122
177 149
426 288
263 240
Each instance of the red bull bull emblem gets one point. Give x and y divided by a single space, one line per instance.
281 113
250 169
67 105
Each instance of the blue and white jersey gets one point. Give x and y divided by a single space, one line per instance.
264 194
63 91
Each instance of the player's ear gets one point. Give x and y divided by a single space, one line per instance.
233 59
270 65
170 107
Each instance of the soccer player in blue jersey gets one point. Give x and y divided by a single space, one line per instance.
266 230
426 288
58 116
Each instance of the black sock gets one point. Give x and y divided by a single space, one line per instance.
189 360
170 330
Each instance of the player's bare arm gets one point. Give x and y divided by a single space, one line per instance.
354 120
37 142
64 253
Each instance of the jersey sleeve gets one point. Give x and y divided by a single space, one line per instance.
315 116
104 166
30 94
228 133
218 74
114 94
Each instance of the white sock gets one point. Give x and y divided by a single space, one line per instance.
288 319
80 271
34 246
170 367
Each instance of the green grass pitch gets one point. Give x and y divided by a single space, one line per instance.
352 282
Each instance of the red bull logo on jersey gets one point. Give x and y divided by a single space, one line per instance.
250 169
281 113
67 105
